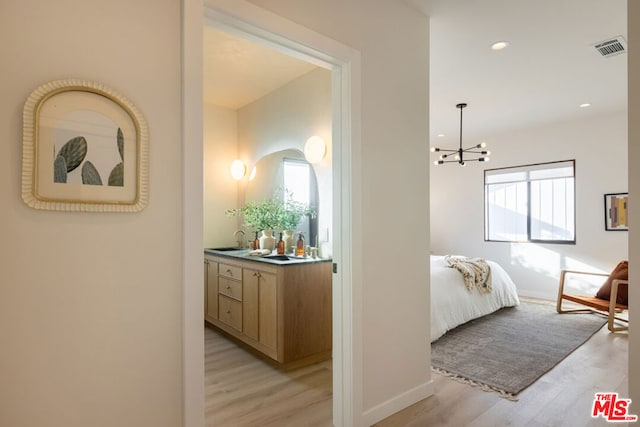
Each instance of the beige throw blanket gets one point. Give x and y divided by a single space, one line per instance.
475 271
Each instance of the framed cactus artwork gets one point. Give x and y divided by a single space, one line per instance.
84 148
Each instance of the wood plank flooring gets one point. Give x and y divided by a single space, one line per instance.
244 390
562 397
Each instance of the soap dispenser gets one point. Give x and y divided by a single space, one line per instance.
280 246
256 242
300 245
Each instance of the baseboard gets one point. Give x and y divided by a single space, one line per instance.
397 403
538 295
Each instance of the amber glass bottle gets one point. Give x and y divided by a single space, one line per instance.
280 246
256 242
300 245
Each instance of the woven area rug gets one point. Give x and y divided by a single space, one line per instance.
510 349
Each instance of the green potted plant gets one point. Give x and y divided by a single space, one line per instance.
290 217
292 214
259 215
273 214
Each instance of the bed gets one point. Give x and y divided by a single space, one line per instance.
452 304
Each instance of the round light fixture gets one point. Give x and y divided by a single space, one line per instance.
585 105
238 169
314 149
500 45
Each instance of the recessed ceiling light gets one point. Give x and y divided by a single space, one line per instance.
441 135
500 45
585 105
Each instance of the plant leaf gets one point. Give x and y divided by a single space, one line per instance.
116 177
74 152
90 175
59 169
121 144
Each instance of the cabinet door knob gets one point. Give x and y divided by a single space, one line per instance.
229 272
228 287
228 311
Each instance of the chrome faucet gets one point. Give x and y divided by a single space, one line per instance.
239 241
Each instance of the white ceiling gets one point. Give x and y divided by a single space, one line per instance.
238 72
548 70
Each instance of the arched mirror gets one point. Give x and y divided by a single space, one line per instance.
286 170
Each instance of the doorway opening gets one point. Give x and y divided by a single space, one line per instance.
340 214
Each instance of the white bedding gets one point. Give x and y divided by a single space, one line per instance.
452 304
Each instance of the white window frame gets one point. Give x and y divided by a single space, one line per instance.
526 177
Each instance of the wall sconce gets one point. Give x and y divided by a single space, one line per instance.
315 149
238 169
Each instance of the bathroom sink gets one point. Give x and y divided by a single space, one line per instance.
225 249
277 257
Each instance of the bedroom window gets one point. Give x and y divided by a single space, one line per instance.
532 203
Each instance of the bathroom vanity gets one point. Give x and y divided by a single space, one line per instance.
279 307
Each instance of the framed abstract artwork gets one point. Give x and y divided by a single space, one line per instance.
616 211
84 148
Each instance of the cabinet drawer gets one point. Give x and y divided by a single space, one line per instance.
230 312
231 271
230 288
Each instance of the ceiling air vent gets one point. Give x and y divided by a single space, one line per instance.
611 47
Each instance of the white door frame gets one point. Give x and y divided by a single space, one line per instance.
250 21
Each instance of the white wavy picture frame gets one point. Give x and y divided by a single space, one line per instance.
85 148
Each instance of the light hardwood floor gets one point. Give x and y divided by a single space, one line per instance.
561 397
244 390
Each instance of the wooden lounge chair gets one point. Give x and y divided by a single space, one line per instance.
608 308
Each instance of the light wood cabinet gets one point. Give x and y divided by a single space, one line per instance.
283 311
210 289
230 312
261 313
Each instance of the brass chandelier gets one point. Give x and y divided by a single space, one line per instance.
459 154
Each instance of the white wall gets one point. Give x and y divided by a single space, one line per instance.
599 146
393 40
102 344
282 119
220 189
90 313
633 8
285 119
